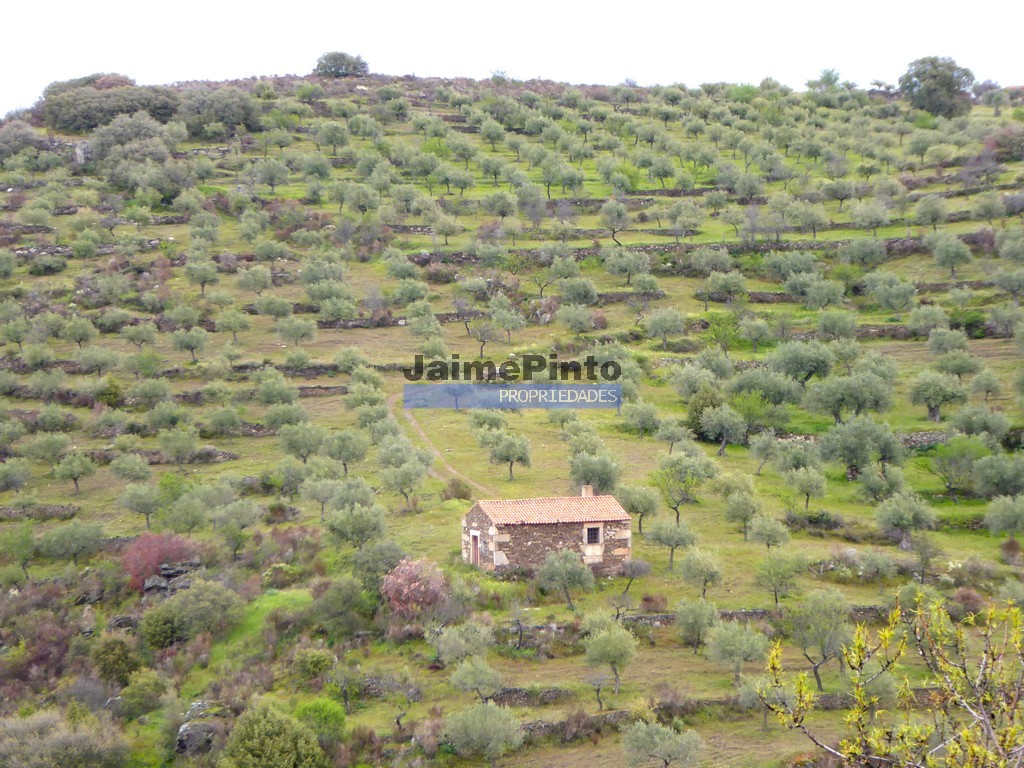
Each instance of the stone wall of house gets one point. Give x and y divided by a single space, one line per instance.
478 521
526 546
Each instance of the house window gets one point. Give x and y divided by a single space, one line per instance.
594 535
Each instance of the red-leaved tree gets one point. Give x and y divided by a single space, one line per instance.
413 587
142 558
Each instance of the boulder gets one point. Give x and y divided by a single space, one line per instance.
155 582
201 708
195 738
173 570
122 622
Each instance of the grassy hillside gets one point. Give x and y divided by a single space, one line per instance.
205 311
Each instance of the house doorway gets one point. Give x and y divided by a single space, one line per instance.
474 548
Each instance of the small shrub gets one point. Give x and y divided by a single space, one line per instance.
875 565
1010 550
970 321
110 394
972 572
413 587
364 742
280 575
966 601
428 732
115 658
47 265
457 488
440 274
142 694
48 738
310 663
819 519
264 736
654 603
578 726
961 520
325 717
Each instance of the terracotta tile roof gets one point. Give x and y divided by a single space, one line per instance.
554 509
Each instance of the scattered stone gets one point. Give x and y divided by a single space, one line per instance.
531 697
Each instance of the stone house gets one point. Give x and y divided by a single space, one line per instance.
519 533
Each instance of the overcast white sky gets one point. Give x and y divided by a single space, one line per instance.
596 42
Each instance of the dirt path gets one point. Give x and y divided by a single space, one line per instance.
407 414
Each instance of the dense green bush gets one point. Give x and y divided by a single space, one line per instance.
115 658
265 737
205 607
340 64
228 106
326 717
142 694
79 110
970 321
313 662
47 265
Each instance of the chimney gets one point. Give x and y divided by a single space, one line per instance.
587 491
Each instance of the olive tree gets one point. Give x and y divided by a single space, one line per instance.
192 340
819 625
733 643
934 390
647 744
679 475
614 647
672 536
949 252
18 545
508 448
358 524
614 218
75 467
724 424
931 211
638 501
766 530
1005 515
256 278
701 568
475 675
73 541
665 322
891 291
802 360
807 481
483 730
694 619
564 571
143 499
904 513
